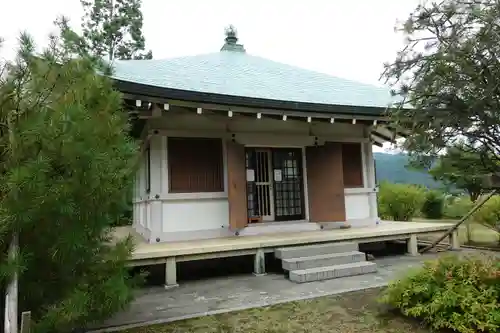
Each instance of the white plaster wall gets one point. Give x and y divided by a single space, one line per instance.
193 215
357 206
161 213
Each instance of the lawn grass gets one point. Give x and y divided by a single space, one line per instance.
352 312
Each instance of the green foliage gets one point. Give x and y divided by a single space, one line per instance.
462 294
462 168
489 213
433 205
66 167
448 73
113 29
399 201
457 207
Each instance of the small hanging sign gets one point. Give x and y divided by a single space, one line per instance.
250 175
277 175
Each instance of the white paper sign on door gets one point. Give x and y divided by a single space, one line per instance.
250 175
277 175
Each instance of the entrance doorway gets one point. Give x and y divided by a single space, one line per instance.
275 190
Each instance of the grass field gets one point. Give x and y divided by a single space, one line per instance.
353 312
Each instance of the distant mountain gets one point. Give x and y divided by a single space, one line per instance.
392 168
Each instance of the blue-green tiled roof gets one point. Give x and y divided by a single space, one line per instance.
240 74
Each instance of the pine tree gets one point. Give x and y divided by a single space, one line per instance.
462 168
63 184
446 79
113 29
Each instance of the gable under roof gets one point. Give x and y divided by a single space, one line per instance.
233 72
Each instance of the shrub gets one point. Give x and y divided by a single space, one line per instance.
433 205
461 294
399 201
490 212
456 208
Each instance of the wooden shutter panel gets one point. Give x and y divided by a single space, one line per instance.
325 183
237 184
352 165
195 165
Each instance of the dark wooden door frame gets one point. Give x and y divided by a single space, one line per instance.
300 173
236 182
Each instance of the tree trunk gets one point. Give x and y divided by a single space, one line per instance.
473 195
111 46
469 231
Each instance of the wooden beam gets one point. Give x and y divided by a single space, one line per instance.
228 134
382 137
241 109
376 141
384 132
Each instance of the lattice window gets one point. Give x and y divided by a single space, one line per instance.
195 165
288 191
251 193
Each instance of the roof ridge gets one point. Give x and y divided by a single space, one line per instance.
247 75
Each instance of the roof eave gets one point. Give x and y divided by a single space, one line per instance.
133 88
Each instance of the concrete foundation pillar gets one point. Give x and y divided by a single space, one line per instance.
259 265
412 245
454 240
170 273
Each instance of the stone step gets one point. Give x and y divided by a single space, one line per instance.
323 260
332 272
314 250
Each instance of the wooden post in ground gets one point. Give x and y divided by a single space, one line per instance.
11 308
25 322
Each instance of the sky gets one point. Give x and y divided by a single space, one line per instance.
348 39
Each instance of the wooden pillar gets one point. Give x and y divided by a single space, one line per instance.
158 185
325 183
236 186
370 178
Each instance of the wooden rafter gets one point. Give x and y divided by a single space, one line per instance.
247 110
